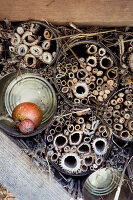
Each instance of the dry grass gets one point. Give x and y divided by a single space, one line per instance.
5 194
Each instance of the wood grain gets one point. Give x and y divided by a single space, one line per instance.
22 181
82 12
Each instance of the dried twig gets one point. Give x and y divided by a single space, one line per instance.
73 112
75 27
82 35
121 47
73 53
117 194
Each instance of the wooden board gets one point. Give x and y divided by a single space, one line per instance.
22 181
83 12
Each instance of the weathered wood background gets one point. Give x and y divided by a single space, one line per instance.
84 12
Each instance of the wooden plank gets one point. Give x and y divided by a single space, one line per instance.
87 12
22 181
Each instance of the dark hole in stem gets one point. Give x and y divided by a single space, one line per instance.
101 52
77 101
91 61
99 160
84 101
46 45
106 62
63 69
71 75
70 162
92 49
54 157
117 127
84 148
52 131
77 127
109 121
87 139
112 74
104 134
80 90
70 128
100 145
58 128
125 134
30 61
60 141
63 82
91 86
108 114
1 67
84 167
75 137
39 153
88 160
22 50
81 74
99 81
55 123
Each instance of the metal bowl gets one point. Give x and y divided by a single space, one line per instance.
27 87
103 183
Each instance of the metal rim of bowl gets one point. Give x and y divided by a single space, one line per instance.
95 191
109 189
38 129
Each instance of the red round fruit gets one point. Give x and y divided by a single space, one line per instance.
26 126
27 110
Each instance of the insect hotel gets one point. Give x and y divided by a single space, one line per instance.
66 100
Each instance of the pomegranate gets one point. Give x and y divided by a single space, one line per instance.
26 126
27 110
